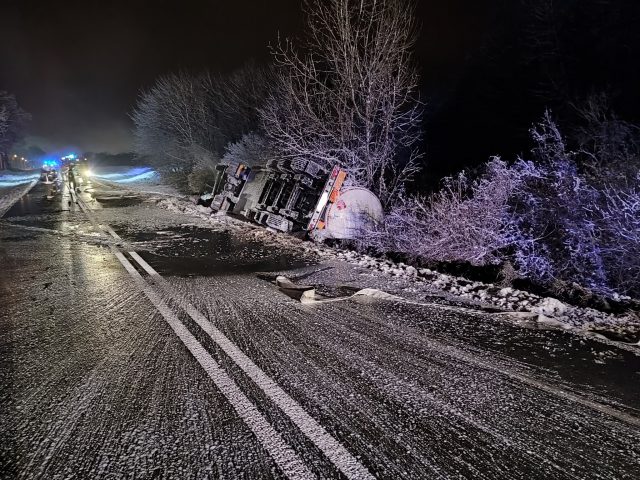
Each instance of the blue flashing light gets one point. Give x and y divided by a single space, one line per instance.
50 164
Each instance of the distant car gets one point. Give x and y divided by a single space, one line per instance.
83 168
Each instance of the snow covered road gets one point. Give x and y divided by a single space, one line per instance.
107 373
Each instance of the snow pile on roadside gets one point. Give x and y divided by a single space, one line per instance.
135 180
249 231
542 310
523 307
9 196
178 205
10 178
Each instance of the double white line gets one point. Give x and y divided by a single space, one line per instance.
283 454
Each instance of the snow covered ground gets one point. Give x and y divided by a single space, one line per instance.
13 185
521 307
99 386
131 180
10 178
416 284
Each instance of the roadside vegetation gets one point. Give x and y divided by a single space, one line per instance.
564 217
13 120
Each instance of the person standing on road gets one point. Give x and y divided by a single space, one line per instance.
72 182
71 179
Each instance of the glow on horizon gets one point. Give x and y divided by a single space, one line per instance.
130 176
15 180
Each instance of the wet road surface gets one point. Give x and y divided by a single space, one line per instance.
98 380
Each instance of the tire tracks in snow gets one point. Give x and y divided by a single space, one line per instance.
338 455
286 458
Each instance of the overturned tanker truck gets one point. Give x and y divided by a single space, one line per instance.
295 196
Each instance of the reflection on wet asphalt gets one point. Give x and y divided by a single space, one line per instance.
192 251
94 384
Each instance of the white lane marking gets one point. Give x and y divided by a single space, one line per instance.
113 234
334 450
284 456
443 348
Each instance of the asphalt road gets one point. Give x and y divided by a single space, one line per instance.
184 363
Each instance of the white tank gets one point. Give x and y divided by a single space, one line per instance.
356 209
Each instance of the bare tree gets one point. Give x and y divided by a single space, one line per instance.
184 122
239 96
349 94
170 119
545 48
252 150
13 120
608 146
618 218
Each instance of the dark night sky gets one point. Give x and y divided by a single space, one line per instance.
78 66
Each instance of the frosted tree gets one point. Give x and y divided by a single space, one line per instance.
252 149
552 210
13 120
171 120
184 122
608 146
348 93
618 218
467 220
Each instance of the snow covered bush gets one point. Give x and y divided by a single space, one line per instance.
556 236
203 173
252 149
465 221
618 217
581 225
547 215
609 150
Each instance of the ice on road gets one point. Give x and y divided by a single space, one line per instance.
94 383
